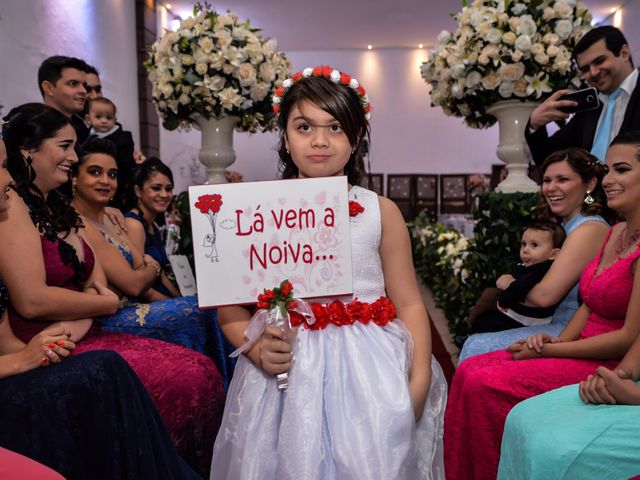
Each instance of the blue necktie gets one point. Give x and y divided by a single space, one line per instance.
601 142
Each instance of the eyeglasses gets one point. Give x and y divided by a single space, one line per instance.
91 88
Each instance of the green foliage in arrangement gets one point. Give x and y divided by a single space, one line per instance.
457 269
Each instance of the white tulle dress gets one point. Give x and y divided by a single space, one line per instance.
347 412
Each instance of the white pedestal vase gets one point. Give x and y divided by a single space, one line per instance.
513 150
216 152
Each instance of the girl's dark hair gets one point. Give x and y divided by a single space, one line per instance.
588 167
343 104
25 128
141 174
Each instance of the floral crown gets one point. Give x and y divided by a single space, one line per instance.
336 76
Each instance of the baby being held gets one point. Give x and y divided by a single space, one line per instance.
101 115
540 245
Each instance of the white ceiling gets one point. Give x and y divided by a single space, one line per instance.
352 24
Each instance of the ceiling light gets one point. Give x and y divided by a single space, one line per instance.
369 47
613 9
420 45
167 6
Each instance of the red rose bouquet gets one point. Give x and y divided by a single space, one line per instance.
274 307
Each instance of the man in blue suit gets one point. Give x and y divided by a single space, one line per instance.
604 58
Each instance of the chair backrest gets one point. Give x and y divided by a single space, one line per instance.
454 195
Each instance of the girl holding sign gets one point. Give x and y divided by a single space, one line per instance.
365 397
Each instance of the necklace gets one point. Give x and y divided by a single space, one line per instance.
622 246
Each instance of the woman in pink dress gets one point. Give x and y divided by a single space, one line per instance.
486 387
52 276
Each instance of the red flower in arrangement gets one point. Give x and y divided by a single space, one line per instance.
345 78
296 77
381 312
338 314
355 208
360 311
209 203
280 297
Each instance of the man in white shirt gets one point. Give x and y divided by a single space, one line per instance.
604 58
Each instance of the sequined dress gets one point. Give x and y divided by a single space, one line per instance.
347 413
176 320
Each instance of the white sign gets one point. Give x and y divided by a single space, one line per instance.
251 236
184 275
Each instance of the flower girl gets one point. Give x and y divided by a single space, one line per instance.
365 397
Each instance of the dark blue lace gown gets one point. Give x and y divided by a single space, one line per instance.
175 320
88 417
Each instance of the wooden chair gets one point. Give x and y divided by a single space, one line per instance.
399 189
375 182
426 195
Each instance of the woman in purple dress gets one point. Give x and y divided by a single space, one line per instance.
53 277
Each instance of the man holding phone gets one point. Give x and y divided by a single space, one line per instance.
604 58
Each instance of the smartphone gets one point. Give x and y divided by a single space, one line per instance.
587 99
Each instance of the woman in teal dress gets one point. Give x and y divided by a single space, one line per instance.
589 430
131 274
566 177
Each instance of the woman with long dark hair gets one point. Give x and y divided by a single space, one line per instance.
77 401
52 276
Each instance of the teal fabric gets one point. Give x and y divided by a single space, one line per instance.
557 436
601 142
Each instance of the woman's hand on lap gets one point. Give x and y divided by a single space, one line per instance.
47 347
610 387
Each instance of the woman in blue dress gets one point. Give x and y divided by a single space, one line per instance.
567 175
590 430
132 274
147 197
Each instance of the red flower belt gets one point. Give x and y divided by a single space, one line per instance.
338 313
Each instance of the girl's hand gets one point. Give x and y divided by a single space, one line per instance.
47 347
534 342
521 351
274 352
610 387
504 281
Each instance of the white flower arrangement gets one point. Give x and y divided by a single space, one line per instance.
504 50
216 65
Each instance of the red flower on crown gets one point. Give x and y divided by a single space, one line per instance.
330 73
355 208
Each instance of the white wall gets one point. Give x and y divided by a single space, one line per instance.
100 32
408 136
